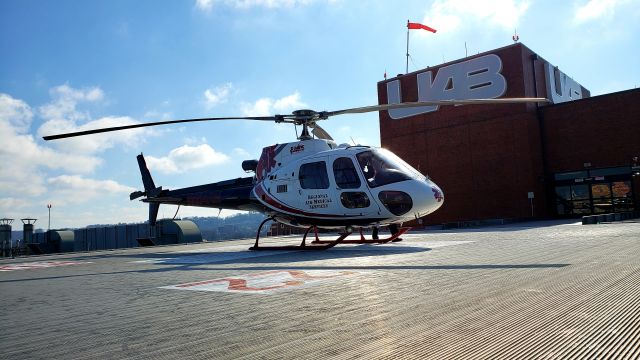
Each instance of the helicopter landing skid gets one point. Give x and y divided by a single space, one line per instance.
363 240
303 246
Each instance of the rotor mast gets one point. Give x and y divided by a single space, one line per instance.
305 118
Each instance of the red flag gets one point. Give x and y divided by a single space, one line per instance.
416 26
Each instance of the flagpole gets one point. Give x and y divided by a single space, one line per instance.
407 68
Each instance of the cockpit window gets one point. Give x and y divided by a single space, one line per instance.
345 173
381 167
313 175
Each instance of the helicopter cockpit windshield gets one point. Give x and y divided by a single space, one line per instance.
382 167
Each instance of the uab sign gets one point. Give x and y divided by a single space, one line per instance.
560 87
478 78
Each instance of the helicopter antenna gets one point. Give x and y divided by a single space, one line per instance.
353 141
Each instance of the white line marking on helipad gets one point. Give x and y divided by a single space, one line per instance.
40 265
211 257
434 244
265 282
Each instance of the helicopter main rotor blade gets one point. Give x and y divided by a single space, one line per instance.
134 126
382 107
320 133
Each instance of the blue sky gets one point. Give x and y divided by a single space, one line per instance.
69 65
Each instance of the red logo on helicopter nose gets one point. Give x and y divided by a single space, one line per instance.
296 149
437 194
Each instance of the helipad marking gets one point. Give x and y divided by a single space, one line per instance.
39 265
265 282
432 244
209 258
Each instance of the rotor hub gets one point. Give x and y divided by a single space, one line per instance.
304 113
304 116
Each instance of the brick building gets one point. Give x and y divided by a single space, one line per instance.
568 158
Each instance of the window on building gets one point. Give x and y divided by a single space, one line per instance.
563 192
601 194
622 196
580 192
345 173
314 176
597 191
573 199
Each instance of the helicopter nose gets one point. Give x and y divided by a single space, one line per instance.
438 195
432 198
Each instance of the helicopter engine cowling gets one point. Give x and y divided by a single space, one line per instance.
249 165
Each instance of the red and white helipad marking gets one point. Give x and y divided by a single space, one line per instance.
39 265
265 282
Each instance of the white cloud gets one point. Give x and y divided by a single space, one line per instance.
77 189
15 113
22 158
64 101
447 16
245 4
154 115
61 115
97 142
290 102
217 95
195 140
207 5
186 158
241 153
204 5
268 106
596 9
27 183
11 204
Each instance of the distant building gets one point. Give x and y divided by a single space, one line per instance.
115 236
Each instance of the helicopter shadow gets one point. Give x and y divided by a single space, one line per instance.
275 257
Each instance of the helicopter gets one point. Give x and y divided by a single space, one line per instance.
313 183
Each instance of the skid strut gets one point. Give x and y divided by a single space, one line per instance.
303 246
366 241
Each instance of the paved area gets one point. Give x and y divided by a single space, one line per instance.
538 290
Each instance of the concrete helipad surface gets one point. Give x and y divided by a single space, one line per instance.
539 290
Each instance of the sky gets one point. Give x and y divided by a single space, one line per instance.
73 65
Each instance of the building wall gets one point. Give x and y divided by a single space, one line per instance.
488 158
603 131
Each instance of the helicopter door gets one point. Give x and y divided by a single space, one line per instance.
354 197
316 194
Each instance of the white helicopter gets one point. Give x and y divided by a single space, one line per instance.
313 182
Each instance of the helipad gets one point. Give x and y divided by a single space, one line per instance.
538 290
